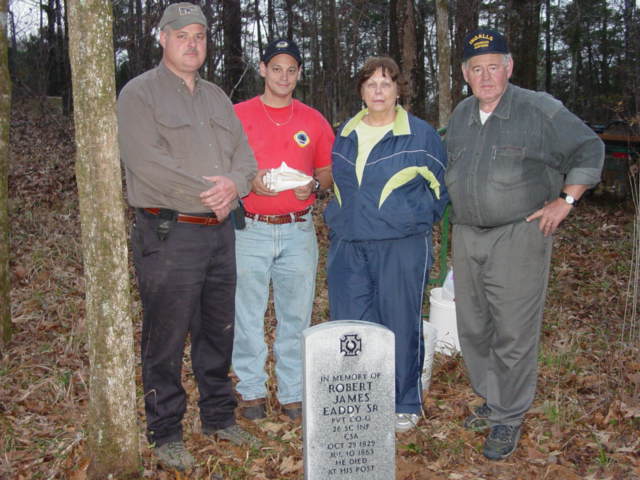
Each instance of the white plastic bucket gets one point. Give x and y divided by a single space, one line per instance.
442 315
430 334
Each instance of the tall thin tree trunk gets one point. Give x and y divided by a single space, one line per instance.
330 61
258 20
233 63
523 29
409 55
547 47
419 99
394 28
466 17
271 21
444 62
290 18
5 121
112 430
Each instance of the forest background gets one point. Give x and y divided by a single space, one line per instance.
586 418
584 52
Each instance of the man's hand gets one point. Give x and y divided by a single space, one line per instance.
551 215
305 191
259 188
220 197
222 213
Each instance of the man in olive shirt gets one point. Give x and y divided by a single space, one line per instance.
518 163
187 161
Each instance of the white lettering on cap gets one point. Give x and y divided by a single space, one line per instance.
185 10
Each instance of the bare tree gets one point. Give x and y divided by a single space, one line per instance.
547 46
409 48
444 62
233 62
523 31
466 16
112 431
5 116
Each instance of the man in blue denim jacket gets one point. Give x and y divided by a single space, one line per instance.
519 161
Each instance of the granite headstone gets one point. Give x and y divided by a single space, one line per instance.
349 401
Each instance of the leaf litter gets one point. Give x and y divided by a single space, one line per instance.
584 423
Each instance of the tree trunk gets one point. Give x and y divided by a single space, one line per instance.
290 18
271 21
522 32
112 432
547 47
394 29
258 20
419 107
5 116
466 17
444 62
409 54
233 64
329 80
631 80
65 68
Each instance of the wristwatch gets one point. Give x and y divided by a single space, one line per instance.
316 185
569 199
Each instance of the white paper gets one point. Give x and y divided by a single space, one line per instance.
285 178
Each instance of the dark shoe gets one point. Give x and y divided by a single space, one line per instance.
174 456
479 419
293 410
501 442
254 409
234 434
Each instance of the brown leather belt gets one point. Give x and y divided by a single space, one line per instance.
182 218
279 219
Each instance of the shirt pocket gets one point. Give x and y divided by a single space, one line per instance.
222 132
508 167
175 134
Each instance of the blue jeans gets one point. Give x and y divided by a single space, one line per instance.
285 256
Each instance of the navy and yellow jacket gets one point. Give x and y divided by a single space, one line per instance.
402 191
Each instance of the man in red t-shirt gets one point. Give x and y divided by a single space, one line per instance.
278 244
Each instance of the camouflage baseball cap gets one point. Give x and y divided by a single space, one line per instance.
178 15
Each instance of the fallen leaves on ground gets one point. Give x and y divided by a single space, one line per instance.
584 423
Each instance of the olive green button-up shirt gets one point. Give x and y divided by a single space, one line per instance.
170 138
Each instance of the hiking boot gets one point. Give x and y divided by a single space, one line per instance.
174 456
479 419
501 442
293 410
406 421
234 434
254 409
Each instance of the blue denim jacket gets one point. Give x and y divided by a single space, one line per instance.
506 169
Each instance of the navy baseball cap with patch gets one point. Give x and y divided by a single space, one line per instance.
483 40
281 46
178 15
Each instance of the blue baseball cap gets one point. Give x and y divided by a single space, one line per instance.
281 46
483 40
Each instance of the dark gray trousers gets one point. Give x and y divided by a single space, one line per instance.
501 279
187 286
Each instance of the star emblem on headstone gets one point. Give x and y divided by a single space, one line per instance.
350 345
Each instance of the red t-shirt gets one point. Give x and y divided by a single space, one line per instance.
303 140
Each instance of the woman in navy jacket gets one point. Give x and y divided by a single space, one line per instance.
388 172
